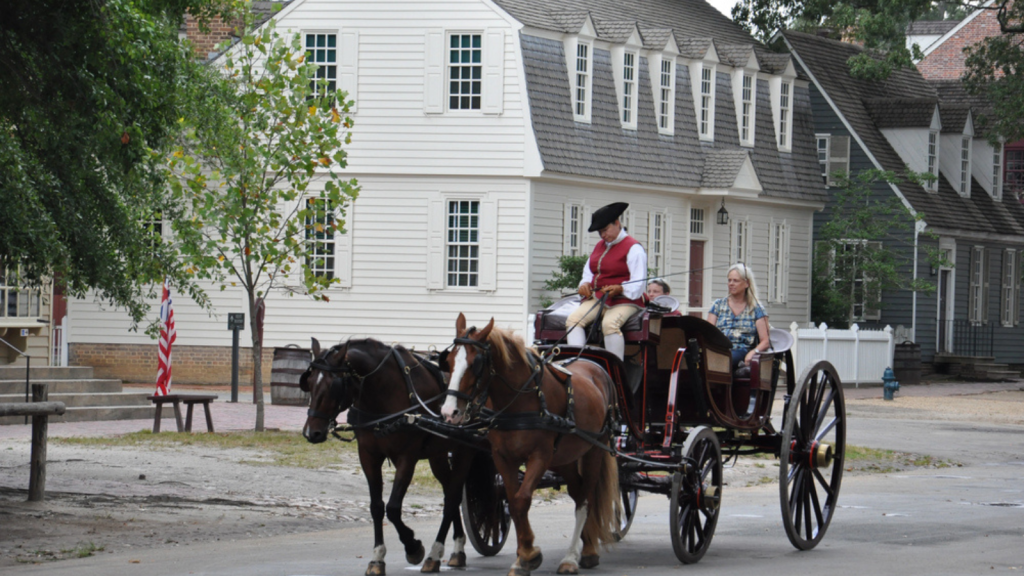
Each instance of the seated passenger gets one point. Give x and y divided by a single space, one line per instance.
617 267
657 287
741 318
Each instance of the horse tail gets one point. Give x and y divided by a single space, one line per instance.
603 515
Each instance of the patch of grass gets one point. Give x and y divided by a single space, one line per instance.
83 550
275 448
859 458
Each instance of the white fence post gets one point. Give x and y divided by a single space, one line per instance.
892 345
856 355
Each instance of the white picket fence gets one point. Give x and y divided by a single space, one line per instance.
860 356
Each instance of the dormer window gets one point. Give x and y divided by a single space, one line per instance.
933 160
747 109
667 99
965 166
785 114
997 171
581 92
707 103
629 89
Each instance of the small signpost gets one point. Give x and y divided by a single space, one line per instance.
236 322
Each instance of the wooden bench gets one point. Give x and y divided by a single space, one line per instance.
40 410
177 400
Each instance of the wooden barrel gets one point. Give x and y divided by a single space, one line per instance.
289 364
906 363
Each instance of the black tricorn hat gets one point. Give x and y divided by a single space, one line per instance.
606 215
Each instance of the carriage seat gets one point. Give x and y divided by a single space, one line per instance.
550 323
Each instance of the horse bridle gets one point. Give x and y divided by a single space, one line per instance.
342 375
477 397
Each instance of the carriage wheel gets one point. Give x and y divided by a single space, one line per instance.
486 516
696 496
811 460
630 499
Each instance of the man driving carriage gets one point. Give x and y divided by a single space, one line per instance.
617 268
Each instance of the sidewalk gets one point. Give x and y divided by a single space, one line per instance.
227 417
933 389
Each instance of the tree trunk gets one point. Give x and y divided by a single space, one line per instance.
257 363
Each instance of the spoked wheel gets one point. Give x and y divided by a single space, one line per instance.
696 496
630 497
486 516
813 449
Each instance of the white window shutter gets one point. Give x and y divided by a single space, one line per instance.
839 156
785 263
876 312
666 243
488 245
435 246
986 269
288 208
567 230
433 81
587 239
1016 287
343 250
348 67
494 72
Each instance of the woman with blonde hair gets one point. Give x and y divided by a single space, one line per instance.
740 316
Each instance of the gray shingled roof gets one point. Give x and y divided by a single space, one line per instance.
735 54
568 21
656 38
826 61
688 18
614 31
953 93
602 149
901 112
953 117
931 27
694 48
721 167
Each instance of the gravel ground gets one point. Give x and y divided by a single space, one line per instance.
113 500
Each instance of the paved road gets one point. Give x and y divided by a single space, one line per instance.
960 520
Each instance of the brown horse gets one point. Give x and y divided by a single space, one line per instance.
492 366
372 381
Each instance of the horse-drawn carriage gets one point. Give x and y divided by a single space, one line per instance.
668 419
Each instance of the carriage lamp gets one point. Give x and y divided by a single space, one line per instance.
889 384
723 214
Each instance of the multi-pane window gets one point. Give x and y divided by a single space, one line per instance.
697 221
823 149
705 101
740 241
154 227
997 171
965 166
777 249
322 50
582 92
628 87
747 107
320 230
1010 289
784 114
933 159
1013 175
667 99
17 301
976 287
465 71
463 241
573 230
849 267
656 244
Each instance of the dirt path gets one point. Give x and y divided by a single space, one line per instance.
113 500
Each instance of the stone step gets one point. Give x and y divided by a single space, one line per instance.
89 399
75 386
99 413
46 373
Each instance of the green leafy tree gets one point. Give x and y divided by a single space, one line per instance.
245 176
856 252
993 65
90 95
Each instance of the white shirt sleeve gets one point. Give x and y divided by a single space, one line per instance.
636 259
588 274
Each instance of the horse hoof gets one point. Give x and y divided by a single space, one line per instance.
567 568
431 566
458 560
417 555
376 568
518 571
532 563
590 561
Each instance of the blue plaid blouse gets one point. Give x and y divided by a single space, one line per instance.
740 329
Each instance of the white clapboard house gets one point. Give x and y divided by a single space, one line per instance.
526 115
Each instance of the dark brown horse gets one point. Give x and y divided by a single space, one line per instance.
493 366
379 384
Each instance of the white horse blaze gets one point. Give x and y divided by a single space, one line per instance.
451 402
379 553
573 555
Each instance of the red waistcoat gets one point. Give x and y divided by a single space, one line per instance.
608 263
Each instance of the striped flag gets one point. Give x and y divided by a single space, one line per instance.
167 335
